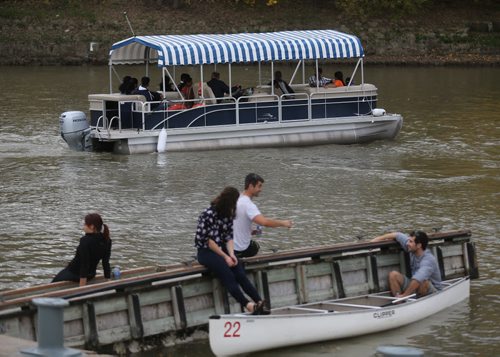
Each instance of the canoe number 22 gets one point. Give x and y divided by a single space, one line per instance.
232 329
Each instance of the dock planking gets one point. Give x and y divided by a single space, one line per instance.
172 301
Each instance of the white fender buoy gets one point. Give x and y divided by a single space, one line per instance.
378 112
162 141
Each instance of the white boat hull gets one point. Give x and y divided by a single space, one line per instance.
237 334
300 133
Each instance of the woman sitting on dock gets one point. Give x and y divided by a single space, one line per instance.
94 246
214 240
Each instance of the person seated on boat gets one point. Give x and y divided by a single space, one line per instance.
247 213
133 84
151 96
321 82
425 274
125 85
219 87
283 86
187 92
214 241
169 86
95 246
128 86
184 78
338 79
347 80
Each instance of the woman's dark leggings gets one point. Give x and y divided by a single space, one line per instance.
231 278
66 275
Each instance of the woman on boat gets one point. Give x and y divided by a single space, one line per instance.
214 240
187 92
169 86
125 85
339 79
94 246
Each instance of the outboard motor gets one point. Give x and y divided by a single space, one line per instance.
75 130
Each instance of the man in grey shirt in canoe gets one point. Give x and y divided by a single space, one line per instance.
425 273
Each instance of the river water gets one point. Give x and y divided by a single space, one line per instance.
442 171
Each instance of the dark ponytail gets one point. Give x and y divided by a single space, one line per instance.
105 231
94 219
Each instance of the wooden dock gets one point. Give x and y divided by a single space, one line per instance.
153 303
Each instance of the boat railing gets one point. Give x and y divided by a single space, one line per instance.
364 104
251 109
112 120
270 103
108 127
295 101
104 106
228 101
204 116
101 118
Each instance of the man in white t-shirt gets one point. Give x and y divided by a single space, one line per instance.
247 213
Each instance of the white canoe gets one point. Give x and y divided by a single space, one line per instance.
327 320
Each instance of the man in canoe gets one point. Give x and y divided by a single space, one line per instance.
248 213
425 273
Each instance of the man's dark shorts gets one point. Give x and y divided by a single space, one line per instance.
251 251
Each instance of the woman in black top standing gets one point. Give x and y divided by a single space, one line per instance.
94 246
214 240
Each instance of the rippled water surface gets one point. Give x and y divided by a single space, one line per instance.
441 172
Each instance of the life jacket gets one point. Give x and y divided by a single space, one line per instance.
177 106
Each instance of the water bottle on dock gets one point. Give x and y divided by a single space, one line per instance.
116 273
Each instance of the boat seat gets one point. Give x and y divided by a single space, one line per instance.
171 95
292 310
336 92
208 94
261 94
96 100
299 88
265 89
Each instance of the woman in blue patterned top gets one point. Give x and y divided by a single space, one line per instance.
214 240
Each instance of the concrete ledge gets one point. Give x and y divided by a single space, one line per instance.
10 347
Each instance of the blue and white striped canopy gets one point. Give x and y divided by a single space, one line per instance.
180 50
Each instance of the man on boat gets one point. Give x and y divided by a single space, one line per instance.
283 86
144 90
248 213
425 273
219 87
321 82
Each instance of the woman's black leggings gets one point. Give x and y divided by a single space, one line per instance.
66 275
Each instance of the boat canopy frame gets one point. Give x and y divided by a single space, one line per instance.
202 49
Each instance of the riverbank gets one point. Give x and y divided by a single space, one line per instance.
74 33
